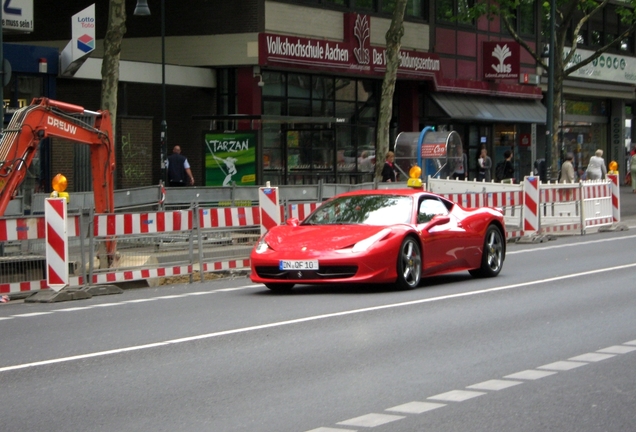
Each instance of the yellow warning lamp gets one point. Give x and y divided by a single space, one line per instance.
60 184
414 180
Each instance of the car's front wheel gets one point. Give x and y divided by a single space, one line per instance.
280 287
409 264
493 254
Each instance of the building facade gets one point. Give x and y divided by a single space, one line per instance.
296 87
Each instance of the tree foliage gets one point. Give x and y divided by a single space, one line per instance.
570 22
393 45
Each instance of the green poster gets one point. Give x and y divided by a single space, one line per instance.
230 158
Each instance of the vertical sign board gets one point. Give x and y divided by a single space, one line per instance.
230 158
56 243
17 16
82 44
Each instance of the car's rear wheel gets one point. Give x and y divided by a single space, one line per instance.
280 287
493 254
409 264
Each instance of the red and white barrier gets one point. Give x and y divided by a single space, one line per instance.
531 205
226 265
107 225
229 217
301 211
616 197
14 229
140 274
268 202
56 243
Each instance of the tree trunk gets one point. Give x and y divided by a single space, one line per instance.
110 64
393 45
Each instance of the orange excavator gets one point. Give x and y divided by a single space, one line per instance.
46 118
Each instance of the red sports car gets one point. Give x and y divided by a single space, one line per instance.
380 236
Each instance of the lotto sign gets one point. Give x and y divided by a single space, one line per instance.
56 243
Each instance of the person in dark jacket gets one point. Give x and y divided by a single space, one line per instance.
389 171
179 173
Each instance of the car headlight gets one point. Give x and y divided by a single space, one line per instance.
261 246
365 244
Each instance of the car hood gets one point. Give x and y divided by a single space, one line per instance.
318 237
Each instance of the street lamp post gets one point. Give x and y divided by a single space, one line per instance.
142 9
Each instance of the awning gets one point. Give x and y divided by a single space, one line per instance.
491 109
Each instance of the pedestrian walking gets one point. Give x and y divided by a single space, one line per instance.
389 171
567 169
461 165
179 173
596 169
485 165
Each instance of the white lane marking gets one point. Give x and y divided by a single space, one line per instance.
530 375
371 420
562 365
5 318
592 357
313 318
326 429
416 407
456 395
26 315
630 342
494 384
141 300
545 248
617 349
73 309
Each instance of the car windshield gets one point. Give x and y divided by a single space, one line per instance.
363 209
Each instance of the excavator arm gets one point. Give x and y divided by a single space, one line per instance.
46 118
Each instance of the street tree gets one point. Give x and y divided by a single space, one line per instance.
393 45
570 22
110 63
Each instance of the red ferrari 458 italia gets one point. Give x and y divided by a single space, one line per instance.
381 236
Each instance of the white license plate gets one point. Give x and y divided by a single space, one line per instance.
298 265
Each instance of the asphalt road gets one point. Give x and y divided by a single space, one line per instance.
550 344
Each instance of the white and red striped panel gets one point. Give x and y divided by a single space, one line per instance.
560 195
142 223
301 211
32 286
140 274
268 202
226 265
56 243
13 229
616 197
531 205
229 217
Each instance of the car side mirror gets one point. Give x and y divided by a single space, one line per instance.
438 220
292 222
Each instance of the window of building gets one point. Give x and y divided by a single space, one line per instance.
227 94
414 8
453 11
297 153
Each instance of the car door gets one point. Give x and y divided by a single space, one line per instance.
442 241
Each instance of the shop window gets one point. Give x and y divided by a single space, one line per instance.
274 84
345 89
527 15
